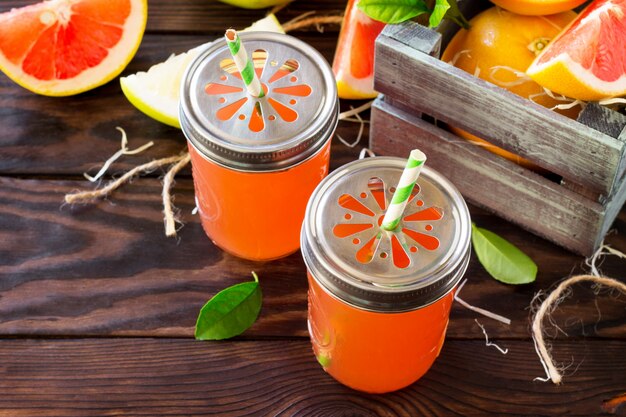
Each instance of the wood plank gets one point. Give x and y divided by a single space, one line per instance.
566 147
134 377
486 179
611 123
613 207
107 269
72 135
213 17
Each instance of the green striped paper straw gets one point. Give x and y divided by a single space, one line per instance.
403 190
244 65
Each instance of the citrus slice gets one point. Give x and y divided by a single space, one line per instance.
538 7
65 47
157 91
354 59
587 61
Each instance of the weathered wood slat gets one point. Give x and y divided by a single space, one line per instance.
580 154
610 123
72 135
107 269
133 377
613 207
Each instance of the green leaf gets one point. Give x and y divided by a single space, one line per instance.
230 312
439 11
454 14
393 11
501 259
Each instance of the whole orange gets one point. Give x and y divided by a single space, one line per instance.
499 47
538 7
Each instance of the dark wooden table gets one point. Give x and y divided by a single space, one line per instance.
98 307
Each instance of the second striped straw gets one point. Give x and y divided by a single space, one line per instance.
244 63
405 186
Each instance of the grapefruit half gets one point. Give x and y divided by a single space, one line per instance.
65 47
587 61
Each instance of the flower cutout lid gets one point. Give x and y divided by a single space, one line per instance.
368 267
294 119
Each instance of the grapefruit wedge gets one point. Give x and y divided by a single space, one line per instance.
587 61
65 47
354 59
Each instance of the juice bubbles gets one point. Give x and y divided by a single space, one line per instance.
256 161
379 301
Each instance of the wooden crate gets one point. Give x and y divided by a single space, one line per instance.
587 156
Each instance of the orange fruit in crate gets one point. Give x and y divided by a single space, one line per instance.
499 47
538 7
354 58
62 47
587 61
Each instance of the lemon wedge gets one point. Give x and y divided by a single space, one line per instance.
156 92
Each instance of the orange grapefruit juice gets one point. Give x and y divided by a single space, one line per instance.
375 352
256 215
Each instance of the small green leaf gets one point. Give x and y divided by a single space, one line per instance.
454 14
393 11
439 11
501 259
230 312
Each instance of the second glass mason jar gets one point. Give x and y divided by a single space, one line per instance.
256 161
379 301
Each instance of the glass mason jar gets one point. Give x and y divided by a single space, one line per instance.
256 161
379 301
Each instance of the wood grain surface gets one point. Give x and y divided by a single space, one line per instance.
107 269
97 306
140 377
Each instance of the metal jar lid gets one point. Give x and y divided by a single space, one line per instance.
359 263
292 122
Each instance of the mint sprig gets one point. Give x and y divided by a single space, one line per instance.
230 312
397 11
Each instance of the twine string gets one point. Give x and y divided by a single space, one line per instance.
168 182
552 301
